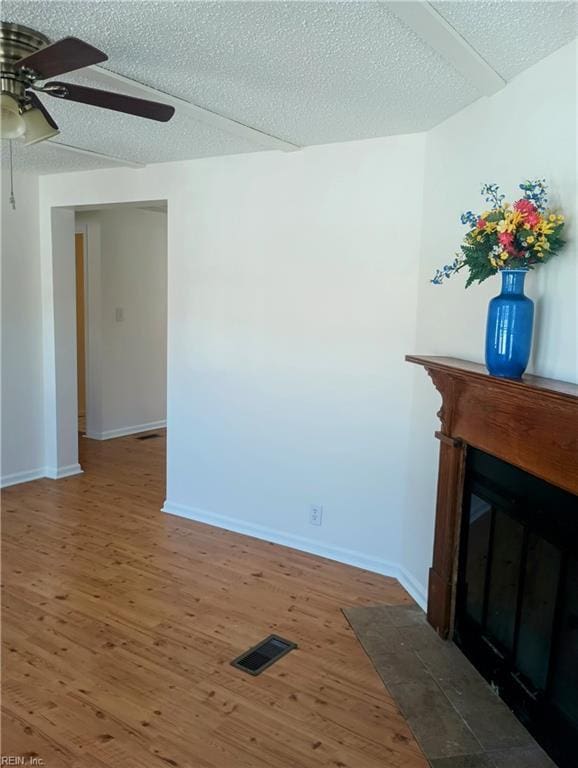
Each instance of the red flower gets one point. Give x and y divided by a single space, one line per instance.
481 223
525 206
532 219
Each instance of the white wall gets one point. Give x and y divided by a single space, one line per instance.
59 346
291 304
22 428
527 130
126 361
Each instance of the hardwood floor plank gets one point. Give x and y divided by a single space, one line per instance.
119 623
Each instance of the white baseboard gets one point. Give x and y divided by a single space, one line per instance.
57 473
21 477
340 554
53 473
125 431
415 588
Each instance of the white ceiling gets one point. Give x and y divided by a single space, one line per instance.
306 72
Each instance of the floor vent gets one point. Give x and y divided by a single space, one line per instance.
148 437
261 656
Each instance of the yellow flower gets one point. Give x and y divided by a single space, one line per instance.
479 238
560 218
530 239
545 227
491 226
552 217
504 256
493 261
510 222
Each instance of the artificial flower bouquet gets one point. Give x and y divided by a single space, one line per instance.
507 236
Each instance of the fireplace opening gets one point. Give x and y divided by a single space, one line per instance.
516 613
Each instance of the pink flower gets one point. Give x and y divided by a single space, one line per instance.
506 239
481 223
532 219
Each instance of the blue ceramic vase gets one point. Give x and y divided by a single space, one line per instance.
509 327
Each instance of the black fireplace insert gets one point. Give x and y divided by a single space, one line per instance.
516 615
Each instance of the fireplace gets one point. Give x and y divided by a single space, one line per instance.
504 577
516 614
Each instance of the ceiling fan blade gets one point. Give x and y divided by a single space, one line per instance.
118 102
35 101
65 55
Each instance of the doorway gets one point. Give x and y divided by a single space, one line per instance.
121 319
122 364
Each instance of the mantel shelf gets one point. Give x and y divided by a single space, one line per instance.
465 368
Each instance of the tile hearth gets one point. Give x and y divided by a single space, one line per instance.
454 714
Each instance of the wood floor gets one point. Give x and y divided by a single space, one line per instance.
119 623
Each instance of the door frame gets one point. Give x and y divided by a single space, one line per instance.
82 229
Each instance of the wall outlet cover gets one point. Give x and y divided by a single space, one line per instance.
316 514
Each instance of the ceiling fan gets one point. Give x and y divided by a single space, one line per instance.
26 57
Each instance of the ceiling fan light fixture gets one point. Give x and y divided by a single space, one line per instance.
37 127
27 56
11 123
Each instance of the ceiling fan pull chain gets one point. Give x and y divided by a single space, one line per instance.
11 199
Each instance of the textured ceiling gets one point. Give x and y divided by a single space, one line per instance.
307 72
512 35
46 158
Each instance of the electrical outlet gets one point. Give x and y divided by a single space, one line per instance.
316 514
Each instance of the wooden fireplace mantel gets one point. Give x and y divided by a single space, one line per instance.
531 423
